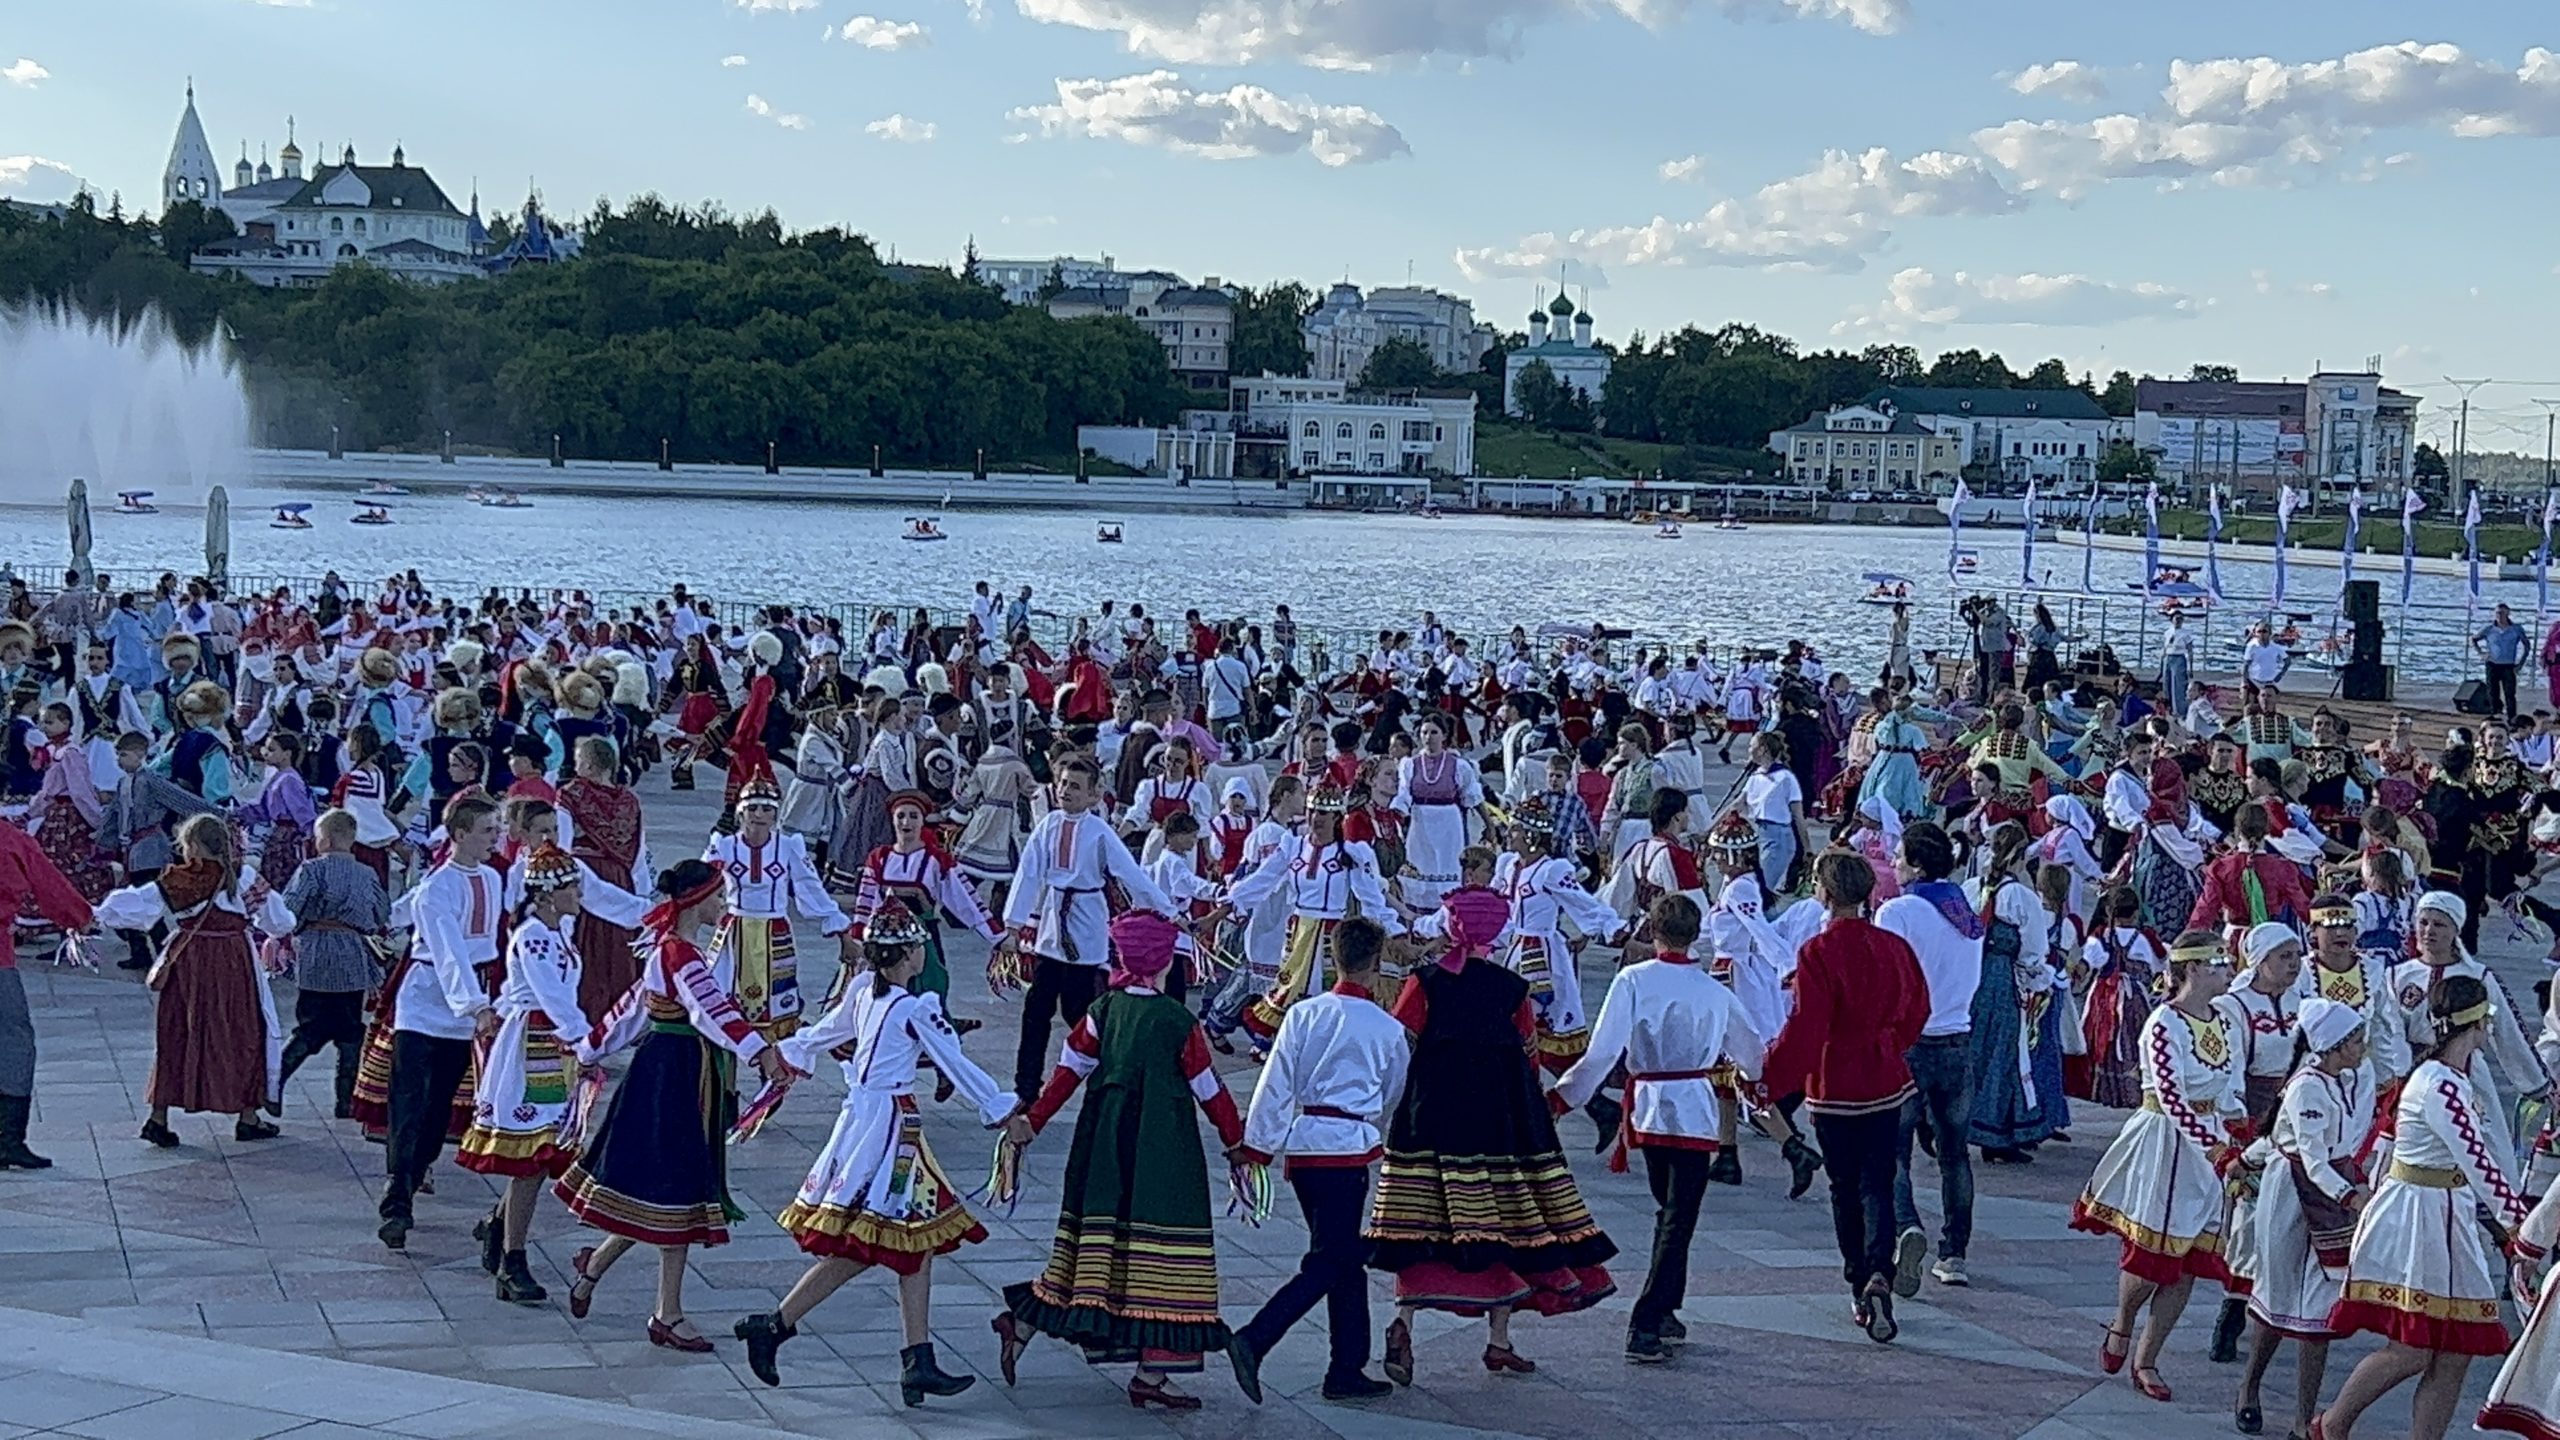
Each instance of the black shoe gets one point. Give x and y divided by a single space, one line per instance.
1608 1114
1247 1360
134 962
764 1335
2227 1328
516 1284
1876 1309
1357 1387
1672 1331
1804 1161
492 1235
160 1134
14 1154
919 1376
2249 1420
1644 1349
1726 1168
394 1232
248 1130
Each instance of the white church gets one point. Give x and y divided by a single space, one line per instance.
1560 339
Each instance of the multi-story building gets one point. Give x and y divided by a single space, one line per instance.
1868 448
2042 435
1020 281
1560 340
1346 328
1196 324
1278 426
2253 437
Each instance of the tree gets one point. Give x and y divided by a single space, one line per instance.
1971 370
1399 364
2429 465
1268 338
187 226
1893 364
2217 374
2048 375
1536 393
969 262
2122 463
1054 284
2117 398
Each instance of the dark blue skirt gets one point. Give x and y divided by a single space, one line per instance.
657 1170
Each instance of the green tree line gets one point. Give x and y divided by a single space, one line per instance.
713 333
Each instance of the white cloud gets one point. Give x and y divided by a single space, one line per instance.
786 7
1831 217
25 72
732 62
33 177
1237 123
1365 34
2061 79
1918 299
873 33
1687 167
758 105
901 130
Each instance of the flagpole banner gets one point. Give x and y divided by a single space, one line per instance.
2285 501
2213 543
2471 559
2089 543
2355 527
1955 525
2411 503
2027 553
2150 537
2542 562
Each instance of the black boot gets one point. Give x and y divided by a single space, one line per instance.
516 1284
491 1232
2226 1330
681 777
1805 1161
918 1376
1608 1114
296 1050
1726 1168
14 1154
349 1062
764 1335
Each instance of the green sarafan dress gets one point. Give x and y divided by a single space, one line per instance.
1133 1274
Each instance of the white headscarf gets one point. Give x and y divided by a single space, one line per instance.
2067 810
2266 939
2325 1022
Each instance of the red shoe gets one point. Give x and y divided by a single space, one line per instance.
664 1335
1011 1344
2320 1426
1143 1393
1503 1360
2110 1360
578 1301
2155 1388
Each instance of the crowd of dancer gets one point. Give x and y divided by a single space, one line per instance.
1926 918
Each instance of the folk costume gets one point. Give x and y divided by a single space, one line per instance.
529 1069
2525 1398
607 832
216 1039
1319 884
768 882
1434 794
925 885
1132 1276
431 1005
2127 966
1544 894
2158 1189
2314 1164
1060 914
2506 1067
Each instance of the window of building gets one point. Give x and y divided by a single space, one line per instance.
1314 430
359 224
1377 460
1341 457
337 225
1377 431
1342 432
1310 459
1438 434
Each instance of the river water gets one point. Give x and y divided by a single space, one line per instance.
1340 574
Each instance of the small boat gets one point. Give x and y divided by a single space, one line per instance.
1667 530
384 487
504 500
291 517
1885 588
1107 533
1429 512
135 502
923 527
1726 521
475 494
1965 563
369 513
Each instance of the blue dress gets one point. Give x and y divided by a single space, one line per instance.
2005 1115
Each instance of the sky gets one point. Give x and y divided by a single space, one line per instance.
2280 187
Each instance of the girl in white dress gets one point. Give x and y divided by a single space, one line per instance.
2307 1202
2159 1189
875 1195
1436 788
2422 1274
2525 1398
530 1070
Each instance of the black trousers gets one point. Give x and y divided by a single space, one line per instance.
425 1073
1861 1154
2502 690
1678 1179
140 944
322 1018
1335 1199
1058 990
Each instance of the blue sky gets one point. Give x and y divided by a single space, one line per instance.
2272 186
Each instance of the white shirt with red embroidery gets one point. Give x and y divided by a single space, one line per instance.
773 880
920 869
455 913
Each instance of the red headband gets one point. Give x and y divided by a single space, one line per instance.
662 916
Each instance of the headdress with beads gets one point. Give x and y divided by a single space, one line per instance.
549 868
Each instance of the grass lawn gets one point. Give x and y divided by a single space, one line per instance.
2380 534
1505 450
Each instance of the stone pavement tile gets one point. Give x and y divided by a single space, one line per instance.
183 1415
65 1265
183 1319
43 1400
388 1334
220 1314
70 1297
356 1286
332 1430
209 1290
532 1355
310 1337
189 1263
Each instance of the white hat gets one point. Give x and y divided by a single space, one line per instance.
1236 785
2325 1022
2266 939
2447 904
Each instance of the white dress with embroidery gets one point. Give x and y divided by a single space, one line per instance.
2155 1188
2320 1127
529 1070
1544 894
2525 1400
2504 1068
2423 1271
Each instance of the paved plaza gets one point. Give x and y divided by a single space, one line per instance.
221 1291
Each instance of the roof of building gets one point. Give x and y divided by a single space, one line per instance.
1999 404
276 190
1108 297
1186 296
1821 425
394 187
2219 397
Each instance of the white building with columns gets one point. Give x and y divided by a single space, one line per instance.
1560 339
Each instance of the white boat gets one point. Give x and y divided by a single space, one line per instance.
1107 533
369 513
1667 530
1729 523
504 500
923 527
291 517
135 502
384 487
1966 563
1429 512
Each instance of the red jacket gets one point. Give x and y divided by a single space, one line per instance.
2224 899
27 876
1860 1004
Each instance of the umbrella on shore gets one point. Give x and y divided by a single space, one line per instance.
217 538
78 505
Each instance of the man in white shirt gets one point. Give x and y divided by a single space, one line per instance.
439 1007
2265 661
1336 1071
1944 930
1224 683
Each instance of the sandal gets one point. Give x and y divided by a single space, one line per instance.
2154 1388
1399 1361
582 1286
1012 1342
2111 1360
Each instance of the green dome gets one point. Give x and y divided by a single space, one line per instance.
1562 306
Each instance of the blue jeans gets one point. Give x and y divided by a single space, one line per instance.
2173 685
1942 1074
